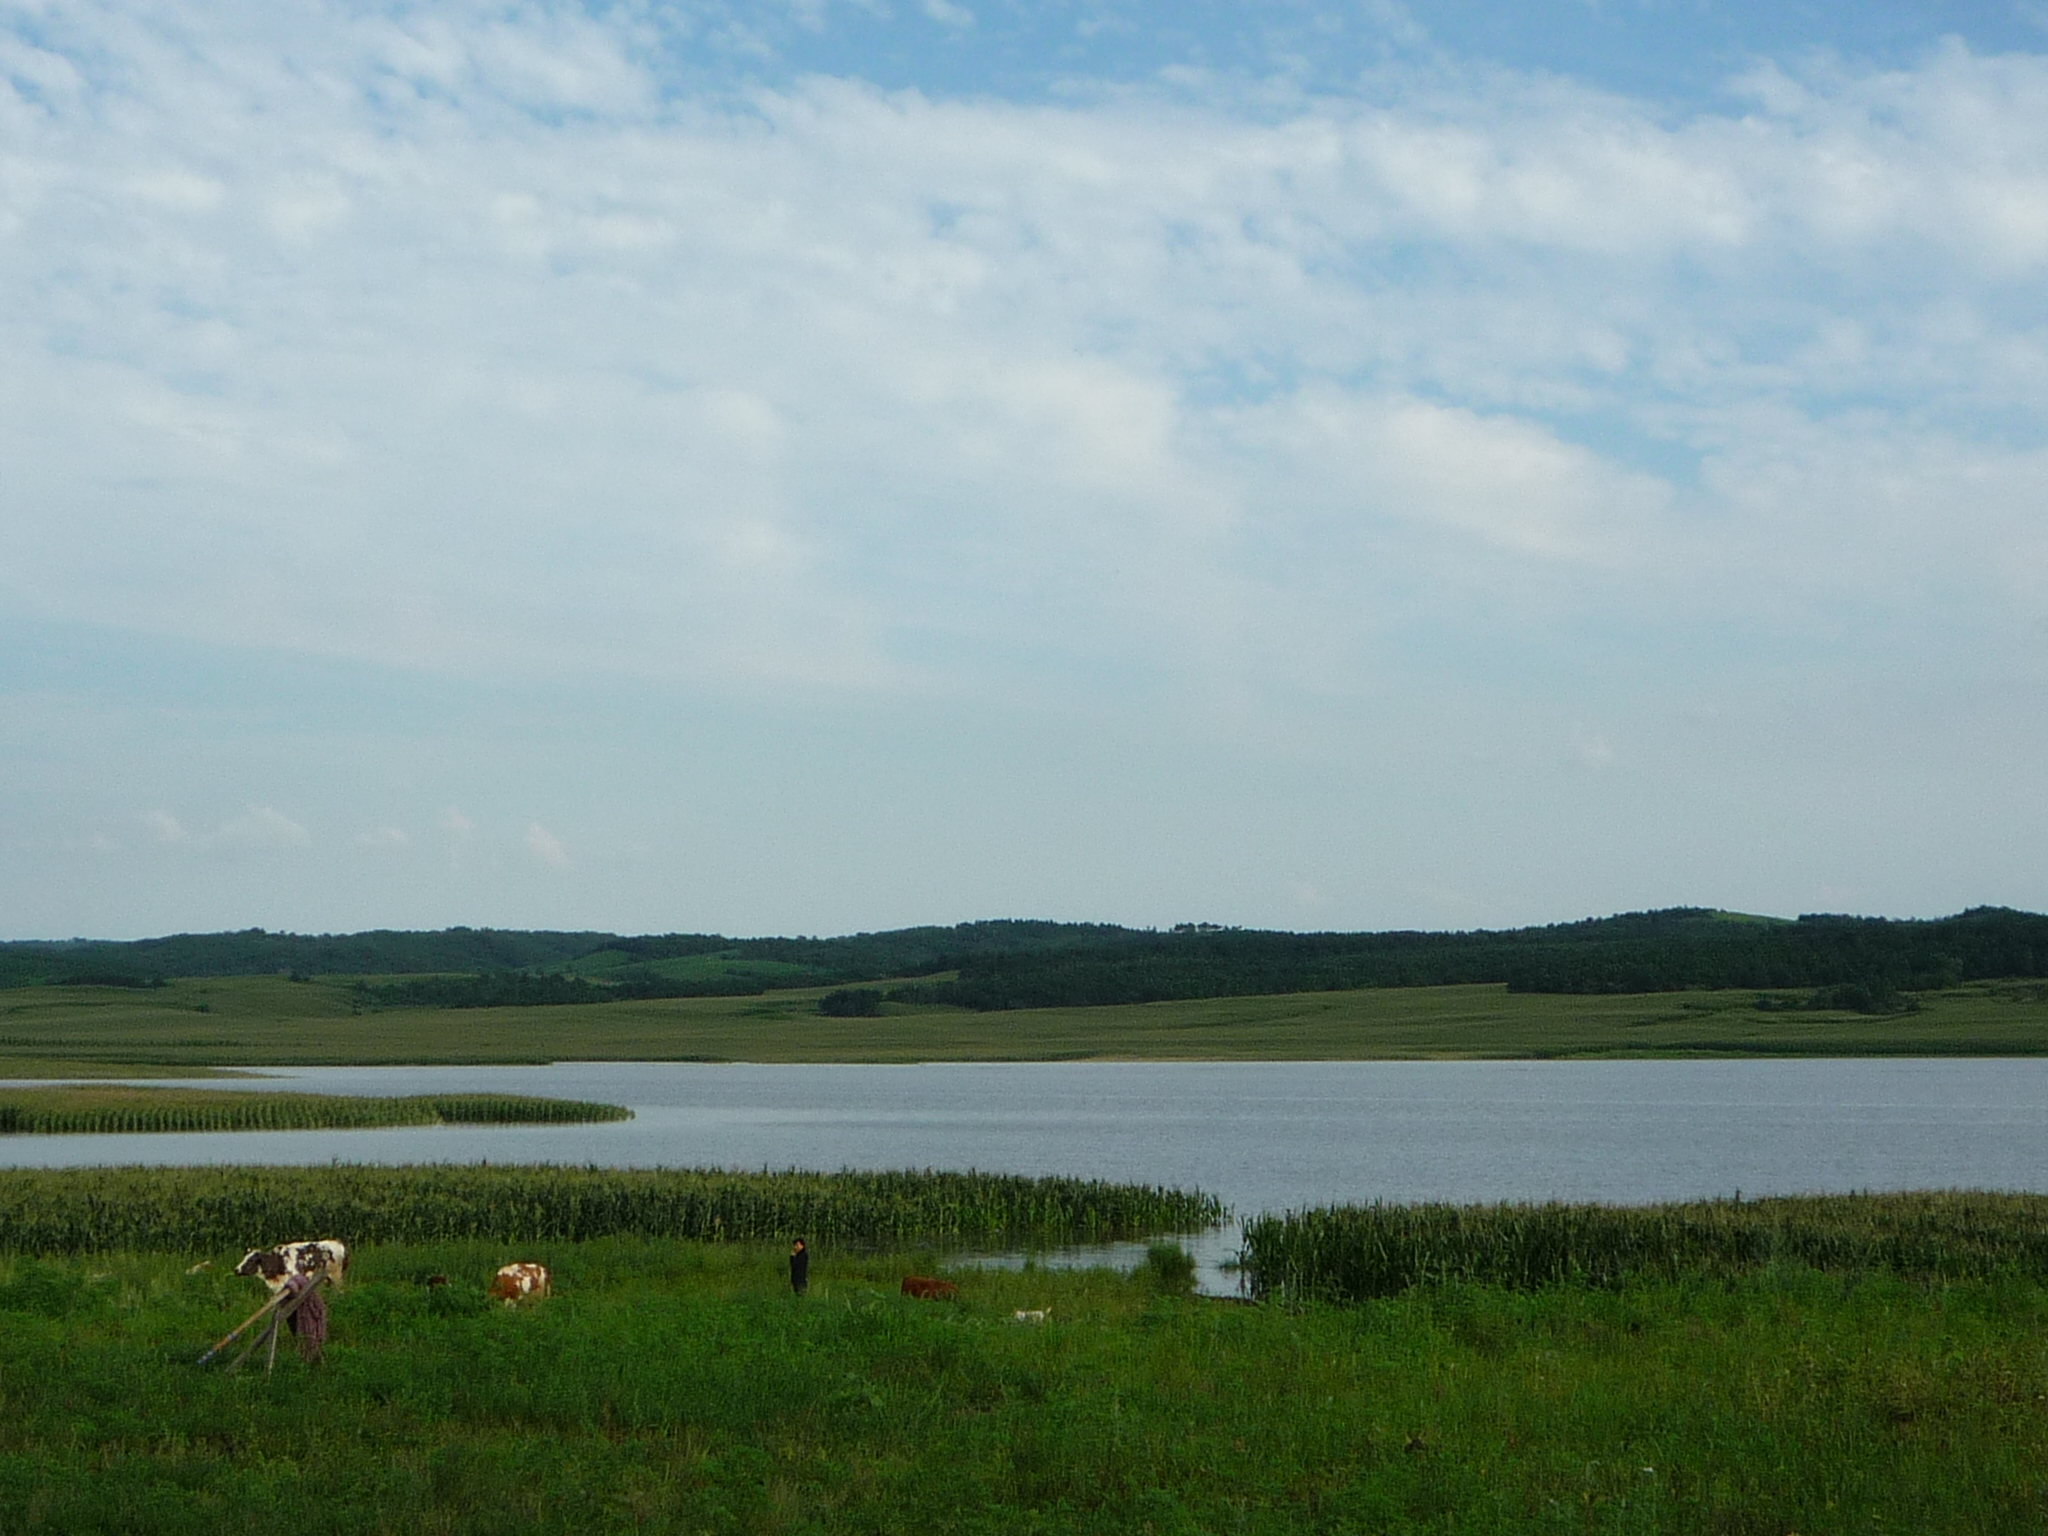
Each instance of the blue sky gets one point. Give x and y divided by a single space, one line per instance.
824 465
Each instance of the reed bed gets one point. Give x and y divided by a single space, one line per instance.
114 1109
1354 1253
205 1210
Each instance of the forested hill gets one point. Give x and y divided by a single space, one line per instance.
499 951
1874 959
1000 965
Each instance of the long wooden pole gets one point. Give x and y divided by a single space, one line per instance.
245 1322
285 1293
288 1301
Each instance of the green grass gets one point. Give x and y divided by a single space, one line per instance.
79 1109
189 1210
260 1021
1353 1253
672 1387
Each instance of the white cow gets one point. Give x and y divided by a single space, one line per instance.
273 1266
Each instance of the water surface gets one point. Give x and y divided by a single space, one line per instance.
1262 1135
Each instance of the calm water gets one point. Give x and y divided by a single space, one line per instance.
1264 1135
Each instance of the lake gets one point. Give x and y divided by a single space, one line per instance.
1263 1135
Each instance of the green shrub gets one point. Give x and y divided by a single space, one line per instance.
851 1003
1171 1268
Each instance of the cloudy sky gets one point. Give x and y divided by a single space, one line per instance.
812 465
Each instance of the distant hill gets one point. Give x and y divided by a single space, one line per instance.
1022 964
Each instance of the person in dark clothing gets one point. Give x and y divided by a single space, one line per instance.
799 1266
308 1320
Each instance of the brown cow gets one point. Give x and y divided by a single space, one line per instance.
924 1288
519 1282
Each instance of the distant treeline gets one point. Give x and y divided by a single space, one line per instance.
483 951
1850 961
253 952
530 989
1638 952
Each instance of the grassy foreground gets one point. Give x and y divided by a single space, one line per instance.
271 1021
674 1387
86 1110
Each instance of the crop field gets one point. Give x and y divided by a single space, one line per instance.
671 1387
257 1021
1353 1253
194 1210
80 1109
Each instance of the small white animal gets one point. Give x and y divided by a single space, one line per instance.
1034 1315
275 1265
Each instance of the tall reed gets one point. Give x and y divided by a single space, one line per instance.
194 1210
1351 1253
95 1109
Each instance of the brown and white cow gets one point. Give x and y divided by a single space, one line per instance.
515 1283
275 1265
924 1288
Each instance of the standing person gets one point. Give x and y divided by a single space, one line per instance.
799 1266
308 1320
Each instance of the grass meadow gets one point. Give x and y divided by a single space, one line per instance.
250 1022
671 1386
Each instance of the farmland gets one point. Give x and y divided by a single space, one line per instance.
672 1386
208 1024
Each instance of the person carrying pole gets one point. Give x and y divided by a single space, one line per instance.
308 1320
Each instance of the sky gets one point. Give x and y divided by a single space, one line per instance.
811 466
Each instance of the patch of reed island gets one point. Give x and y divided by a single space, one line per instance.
1357 1253
201 1210
108 1110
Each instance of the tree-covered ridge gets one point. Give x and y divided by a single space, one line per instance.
255 952
629 965
1001 965
1636 952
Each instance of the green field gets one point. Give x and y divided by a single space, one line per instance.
673 1387
260 1021
673 1384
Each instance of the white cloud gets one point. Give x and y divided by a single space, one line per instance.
947 14
383 837
262 827
165 828
546 847
453 822
474 352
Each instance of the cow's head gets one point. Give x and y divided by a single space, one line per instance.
267 1262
